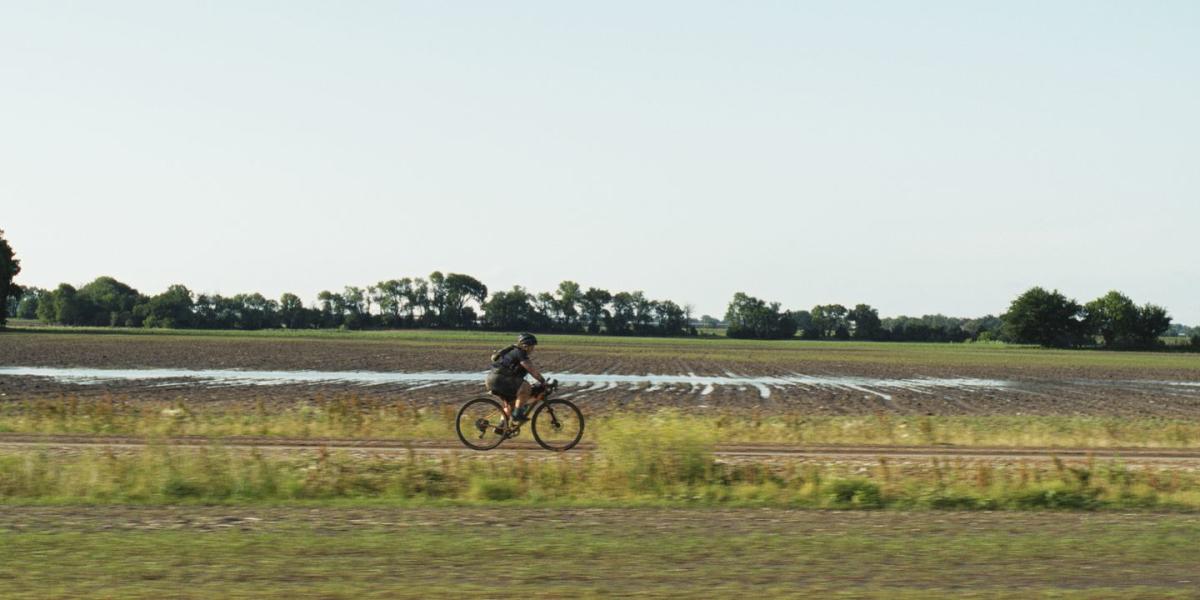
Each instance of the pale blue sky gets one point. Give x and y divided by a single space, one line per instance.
922 157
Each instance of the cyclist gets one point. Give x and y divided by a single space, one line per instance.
507 378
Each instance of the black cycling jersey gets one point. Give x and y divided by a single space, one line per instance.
510 361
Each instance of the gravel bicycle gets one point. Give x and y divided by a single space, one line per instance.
557 424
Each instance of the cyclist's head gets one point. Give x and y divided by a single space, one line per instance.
527 340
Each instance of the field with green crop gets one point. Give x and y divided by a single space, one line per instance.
591 553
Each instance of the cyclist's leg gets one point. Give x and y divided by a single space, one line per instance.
523 395
502 386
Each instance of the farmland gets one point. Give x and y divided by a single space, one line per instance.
859 469
1038 381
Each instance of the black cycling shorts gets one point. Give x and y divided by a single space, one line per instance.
504 385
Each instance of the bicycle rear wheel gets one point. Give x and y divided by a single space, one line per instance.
557 425
480 424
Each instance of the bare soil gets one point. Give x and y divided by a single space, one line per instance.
1038 389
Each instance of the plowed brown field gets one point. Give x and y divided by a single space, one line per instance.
1037 382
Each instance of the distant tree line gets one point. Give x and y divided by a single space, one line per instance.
457 301
750 317
1037 316
449 301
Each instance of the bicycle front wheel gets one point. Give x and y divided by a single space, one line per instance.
480 424
557 425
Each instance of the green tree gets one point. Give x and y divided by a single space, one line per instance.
170 309
985 327
419 301
460 289
750 317
108 302
621 319
546 307
30 299
830 321
510 311
1153 321
865 323
391 298
331 308
569 297
592 304
292 313
1046 318
62 306
436 301
643 313
9 268
353 307
1115 318
672 318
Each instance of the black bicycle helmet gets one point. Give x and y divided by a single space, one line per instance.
527 338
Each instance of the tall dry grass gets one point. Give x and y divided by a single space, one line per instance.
625 471
351 416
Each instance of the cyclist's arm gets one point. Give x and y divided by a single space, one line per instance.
528 365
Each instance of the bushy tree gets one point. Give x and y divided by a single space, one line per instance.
982 328
1114 317
1122 324
293 314
459 290
865 323
1153 321
108 302
61 306
621 319
28 305
926 328
805 326
672 320
593 303
750 317
569 296
510 311
1046 318
9 268
830 321
170 309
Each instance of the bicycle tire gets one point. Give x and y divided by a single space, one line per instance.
555 425
478 426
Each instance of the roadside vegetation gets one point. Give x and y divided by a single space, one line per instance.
350 416
642 462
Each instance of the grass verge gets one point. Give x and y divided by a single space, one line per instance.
456 553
